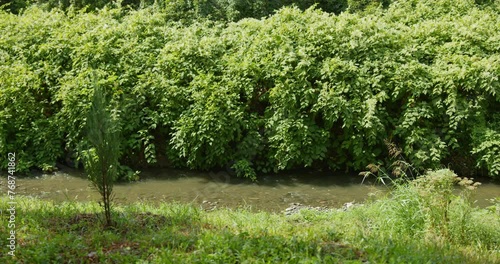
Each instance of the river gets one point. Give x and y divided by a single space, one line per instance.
271 193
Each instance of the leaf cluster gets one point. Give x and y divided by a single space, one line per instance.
296 89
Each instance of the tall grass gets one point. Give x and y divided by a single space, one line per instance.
427 219
422 221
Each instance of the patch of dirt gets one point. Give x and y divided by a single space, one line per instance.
122 247
83 218
148 218
337 248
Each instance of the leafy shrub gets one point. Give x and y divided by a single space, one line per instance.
361 5
486 139
184 10
244 168
295 89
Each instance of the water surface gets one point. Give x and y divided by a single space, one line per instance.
271 193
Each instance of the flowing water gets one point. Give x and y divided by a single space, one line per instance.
270 193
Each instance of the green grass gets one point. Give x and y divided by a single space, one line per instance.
400 228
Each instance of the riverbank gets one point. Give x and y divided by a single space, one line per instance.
406 227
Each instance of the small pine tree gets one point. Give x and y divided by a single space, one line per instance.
101 160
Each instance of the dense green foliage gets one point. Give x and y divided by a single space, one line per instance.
300 88
225 10
410 226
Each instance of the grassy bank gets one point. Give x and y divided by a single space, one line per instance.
409 226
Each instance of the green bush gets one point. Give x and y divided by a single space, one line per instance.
486 142
296 89
183 10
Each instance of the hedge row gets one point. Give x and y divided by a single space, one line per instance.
297 89
228 10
